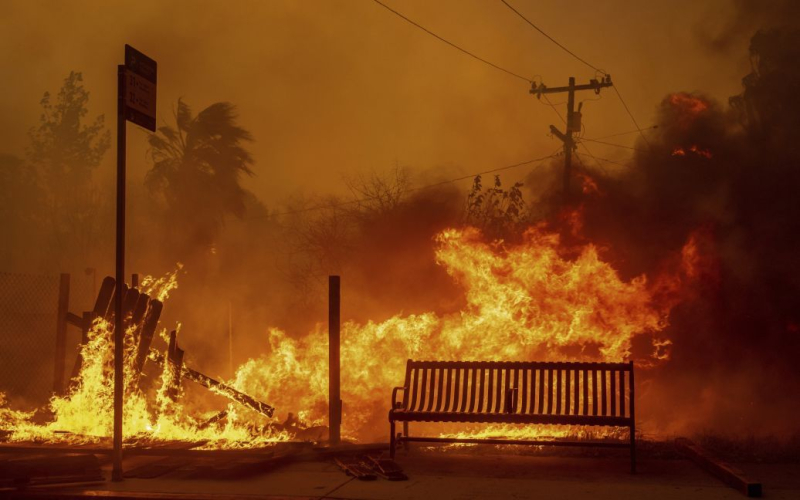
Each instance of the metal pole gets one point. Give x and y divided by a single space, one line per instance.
230 338
568 143
334 389
61 333
116 473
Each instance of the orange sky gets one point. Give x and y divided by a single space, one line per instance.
333 87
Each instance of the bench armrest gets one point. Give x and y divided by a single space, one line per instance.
395 403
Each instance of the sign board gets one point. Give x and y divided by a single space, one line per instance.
140 88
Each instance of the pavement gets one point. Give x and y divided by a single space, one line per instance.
452 476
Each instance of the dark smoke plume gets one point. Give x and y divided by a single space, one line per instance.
726 173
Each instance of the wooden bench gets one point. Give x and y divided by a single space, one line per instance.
583 394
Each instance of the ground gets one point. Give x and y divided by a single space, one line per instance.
465 476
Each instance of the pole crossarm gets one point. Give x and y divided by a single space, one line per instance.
558 133
573 118
593 84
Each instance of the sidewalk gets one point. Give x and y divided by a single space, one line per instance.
450 476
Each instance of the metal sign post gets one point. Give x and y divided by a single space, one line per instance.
136 101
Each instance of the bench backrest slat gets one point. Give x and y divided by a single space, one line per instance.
525 376
622 402
603 399
558 391
613 393
585 392
413 387
529 388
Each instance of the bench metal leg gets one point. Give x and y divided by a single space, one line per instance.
633 449
406 444
392 439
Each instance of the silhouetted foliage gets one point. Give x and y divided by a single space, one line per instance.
770 97
498 213
63 149
197 167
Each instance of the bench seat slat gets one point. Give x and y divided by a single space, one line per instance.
424 416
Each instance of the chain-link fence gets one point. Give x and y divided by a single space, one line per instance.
28 316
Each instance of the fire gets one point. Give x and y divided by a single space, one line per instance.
524 301
697 150
688 104
85 414
588 185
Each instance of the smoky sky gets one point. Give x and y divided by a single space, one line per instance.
328 88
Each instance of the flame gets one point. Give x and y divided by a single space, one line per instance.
524 302
697 150
533 300
588 185
688 104
85 414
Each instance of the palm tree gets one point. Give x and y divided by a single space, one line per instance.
197 167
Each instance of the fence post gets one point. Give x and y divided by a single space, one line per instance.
61 333
334 389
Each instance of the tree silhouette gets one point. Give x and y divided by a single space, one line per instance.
767 106
64 151
196 168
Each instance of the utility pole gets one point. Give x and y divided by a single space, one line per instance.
573 119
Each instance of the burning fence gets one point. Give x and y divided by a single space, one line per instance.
539 299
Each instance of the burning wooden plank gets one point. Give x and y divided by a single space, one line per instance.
218 387
104 297
213 420
146 336
174 365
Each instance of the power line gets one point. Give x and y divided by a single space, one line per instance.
465 51
573 54
576 56
635 123
615 145
427 186
619 134
608 161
